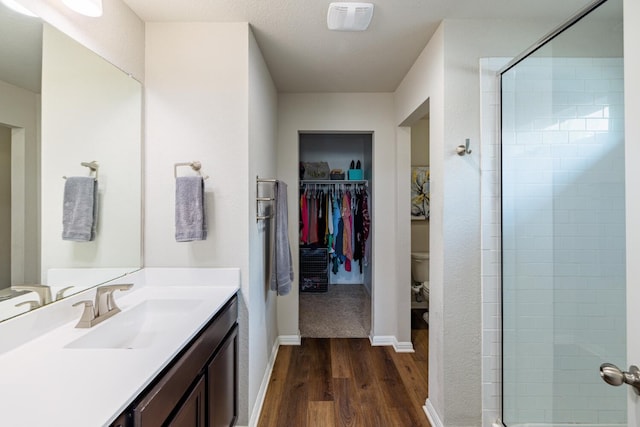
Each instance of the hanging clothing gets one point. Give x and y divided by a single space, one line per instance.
322 219
329 231
330 213
346 218
366 222
327 216
339 248
304 215
353 203
357 226
336 221
313 219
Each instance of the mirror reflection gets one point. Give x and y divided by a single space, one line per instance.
62 106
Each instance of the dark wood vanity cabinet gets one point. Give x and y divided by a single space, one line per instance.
199 387
193 411
222 385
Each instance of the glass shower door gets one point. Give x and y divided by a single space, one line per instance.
563 227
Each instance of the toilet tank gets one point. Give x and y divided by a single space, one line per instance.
420 266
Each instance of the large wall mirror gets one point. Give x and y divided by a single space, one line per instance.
61 108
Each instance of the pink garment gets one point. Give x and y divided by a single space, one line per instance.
304 212
346 219
313 220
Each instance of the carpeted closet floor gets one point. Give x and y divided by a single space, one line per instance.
344 311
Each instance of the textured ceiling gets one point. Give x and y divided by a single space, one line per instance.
303 56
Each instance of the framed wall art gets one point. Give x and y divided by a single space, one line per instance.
419 192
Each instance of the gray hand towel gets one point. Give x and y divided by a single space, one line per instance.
282 265
80 209
191 221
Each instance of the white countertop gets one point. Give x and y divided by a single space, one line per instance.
45 384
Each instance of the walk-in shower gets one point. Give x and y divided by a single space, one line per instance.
563 225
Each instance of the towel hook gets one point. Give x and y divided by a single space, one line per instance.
463 149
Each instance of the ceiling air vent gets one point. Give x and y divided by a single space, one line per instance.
349 16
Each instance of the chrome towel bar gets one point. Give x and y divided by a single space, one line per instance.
259 198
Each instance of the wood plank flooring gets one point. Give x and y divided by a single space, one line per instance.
335 382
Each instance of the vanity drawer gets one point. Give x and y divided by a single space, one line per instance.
156 405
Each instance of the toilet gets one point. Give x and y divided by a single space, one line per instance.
420 274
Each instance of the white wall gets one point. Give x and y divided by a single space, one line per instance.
263 328
22 114
422 92
447 75
118 35
5 206
197 110
209 97
348 112
90 111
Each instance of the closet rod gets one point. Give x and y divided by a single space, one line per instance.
334 181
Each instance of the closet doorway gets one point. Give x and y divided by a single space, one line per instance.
335 224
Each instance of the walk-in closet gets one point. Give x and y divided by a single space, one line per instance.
335 233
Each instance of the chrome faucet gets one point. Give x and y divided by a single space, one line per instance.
104 306
43 291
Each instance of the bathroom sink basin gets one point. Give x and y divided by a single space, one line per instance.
142 326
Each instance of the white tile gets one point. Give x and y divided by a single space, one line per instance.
597 124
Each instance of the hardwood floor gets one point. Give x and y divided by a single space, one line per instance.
332 382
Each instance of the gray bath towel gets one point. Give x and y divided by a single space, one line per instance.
80 209
282 265
191 221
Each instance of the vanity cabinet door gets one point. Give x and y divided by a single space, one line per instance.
192 411
121 421
222 390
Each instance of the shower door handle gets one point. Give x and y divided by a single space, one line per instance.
611 374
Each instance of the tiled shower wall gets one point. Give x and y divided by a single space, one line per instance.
564 245
490 214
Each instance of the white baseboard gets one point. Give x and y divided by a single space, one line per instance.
432 415
404 347
381 340
289 340
399 347
262 393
